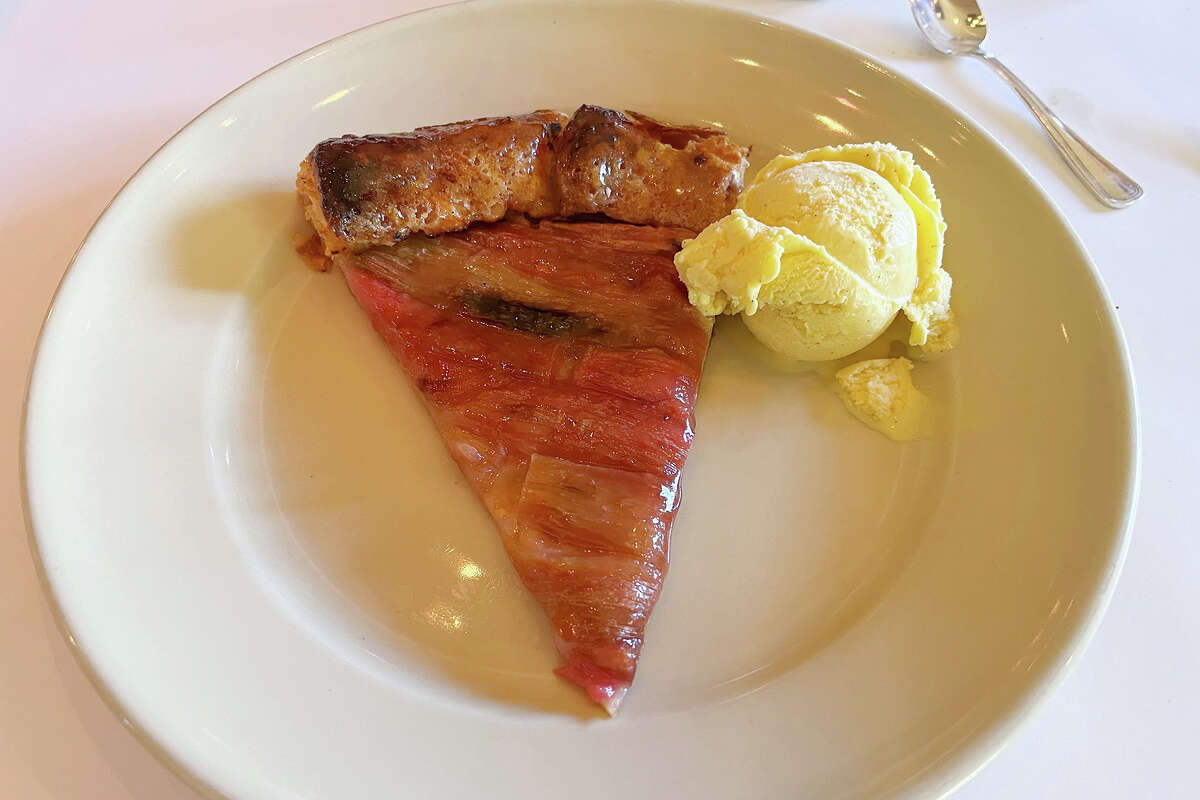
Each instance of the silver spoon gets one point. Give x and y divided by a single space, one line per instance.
957 28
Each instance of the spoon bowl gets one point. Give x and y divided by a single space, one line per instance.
954 27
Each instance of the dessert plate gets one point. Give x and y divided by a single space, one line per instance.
272 569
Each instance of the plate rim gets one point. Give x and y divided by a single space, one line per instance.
945 776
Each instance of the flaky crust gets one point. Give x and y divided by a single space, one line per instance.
370 190
631 168
360 191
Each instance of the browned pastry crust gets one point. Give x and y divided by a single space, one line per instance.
634 169
370 190
360 191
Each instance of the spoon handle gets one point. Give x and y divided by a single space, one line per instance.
1110 185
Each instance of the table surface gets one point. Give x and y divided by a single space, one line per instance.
94 88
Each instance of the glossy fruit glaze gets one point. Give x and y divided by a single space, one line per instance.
560 362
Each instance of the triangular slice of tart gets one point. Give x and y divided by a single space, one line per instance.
560 362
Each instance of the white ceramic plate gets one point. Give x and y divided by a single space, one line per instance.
273 570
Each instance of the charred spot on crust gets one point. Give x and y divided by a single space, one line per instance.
700 160
335 170
344 183
592 126
495 310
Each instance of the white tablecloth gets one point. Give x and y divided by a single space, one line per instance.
90 89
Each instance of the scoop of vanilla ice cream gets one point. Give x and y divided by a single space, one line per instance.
929 305
850 267
822 251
